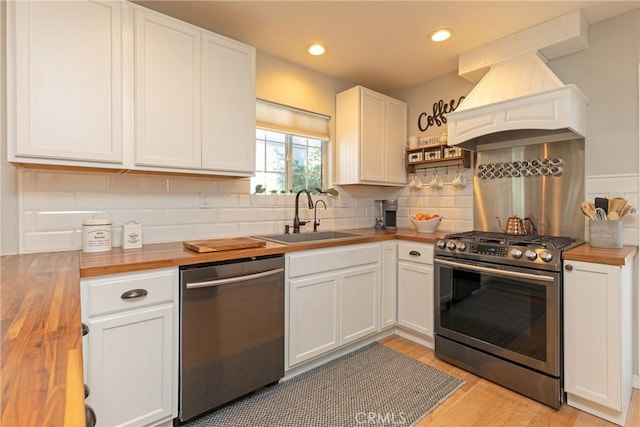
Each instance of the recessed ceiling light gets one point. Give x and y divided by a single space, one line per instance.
315 49
440 35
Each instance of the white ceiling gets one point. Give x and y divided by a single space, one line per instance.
379 44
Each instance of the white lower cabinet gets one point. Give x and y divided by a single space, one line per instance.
388 285
359 290
598 338
333 299
131 351
415 287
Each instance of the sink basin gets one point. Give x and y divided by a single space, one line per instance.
307 237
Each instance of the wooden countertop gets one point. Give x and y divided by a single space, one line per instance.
161 255
42 381
588 253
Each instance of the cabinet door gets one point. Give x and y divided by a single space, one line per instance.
313 317
388 285
593 316
372 148
395 141
359 290
65 81
131 366
167 92
415 297
228 105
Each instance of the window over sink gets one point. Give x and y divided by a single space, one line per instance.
291 149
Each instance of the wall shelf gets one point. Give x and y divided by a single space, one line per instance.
436 155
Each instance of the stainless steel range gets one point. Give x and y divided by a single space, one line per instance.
498 309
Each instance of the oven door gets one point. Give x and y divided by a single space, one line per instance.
510 312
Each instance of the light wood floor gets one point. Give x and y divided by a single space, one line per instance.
483 403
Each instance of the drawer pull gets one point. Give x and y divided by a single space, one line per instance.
134 293
415 253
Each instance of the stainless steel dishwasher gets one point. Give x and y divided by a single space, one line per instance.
231 331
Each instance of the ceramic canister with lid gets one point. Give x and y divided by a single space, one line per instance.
96 235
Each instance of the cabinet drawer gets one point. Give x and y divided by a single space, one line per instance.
415 252
324 260
106 294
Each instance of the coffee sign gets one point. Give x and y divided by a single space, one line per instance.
437 117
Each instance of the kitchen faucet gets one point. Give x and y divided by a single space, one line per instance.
316 222
296 219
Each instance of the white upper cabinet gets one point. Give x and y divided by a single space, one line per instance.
167 92
113 84
65 82
195 98
228 105
371 130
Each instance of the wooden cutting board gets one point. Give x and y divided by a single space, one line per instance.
215 245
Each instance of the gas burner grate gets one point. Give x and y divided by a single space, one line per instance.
547 242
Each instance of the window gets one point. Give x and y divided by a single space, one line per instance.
288 163
291 147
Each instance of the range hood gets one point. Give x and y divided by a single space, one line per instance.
518 102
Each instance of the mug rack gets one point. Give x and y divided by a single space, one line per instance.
435 156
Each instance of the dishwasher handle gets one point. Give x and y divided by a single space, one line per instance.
235 279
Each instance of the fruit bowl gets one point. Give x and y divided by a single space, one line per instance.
426 225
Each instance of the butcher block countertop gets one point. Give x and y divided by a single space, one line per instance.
41 373
42 382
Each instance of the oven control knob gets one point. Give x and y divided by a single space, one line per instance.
442 244
532 255
516 253
462 246
451 246
546 256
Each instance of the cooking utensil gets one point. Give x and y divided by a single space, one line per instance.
625 211
602 203
588 209
600 214
613 216
617 204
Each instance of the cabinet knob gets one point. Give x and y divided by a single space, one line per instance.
568 267
85 329
415 253
134 293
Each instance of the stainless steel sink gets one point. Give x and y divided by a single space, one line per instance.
307 237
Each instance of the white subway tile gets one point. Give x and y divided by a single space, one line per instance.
192 185
238 215
169 200
235 186
51 241
154 184
192 216
124 183
106 201
145 217
45 201
60 221
70 181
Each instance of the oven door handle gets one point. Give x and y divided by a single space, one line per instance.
496 271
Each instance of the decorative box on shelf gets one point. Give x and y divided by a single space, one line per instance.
431 155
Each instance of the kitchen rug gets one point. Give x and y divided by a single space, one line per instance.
372 386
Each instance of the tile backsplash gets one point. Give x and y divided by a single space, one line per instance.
53 205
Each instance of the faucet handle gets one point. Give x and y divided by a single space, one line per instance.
286 229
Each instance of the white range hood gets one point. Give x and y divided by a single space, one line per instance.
518 102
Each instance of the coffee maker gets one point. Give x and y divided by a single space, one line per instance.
386 214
